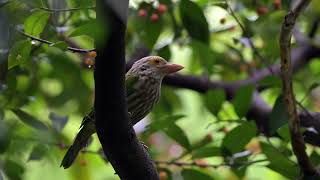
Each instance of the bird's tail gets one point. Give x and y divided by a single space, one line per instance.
79 142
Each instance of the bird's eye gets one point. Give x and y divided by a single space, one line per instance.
156 61
143 68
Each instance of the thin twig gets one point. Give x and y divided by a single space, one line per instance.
77 50
245 34
297 140
64 10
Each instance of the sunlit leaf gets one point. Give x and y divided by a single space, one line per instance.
19 53
242 100
283 132
207 151
280 162
240 136
214 100
193 174
177 134
30 120
35 24
278 116
93 29
61 45
194 20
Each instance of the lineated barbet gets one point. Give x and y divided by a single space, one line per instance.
143 83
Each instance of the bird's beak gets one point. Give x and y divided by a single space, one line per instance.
171 68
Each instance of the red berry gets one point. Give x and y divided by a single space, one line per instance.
163 175
162 8
154 17
142 13
92 54
277 4
262 10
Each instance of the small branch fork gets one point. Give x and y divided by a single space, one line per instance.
297 140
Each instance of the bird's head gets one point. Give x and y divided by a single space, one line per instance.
154 66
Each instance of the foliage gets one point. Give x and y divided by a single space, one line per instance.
48 89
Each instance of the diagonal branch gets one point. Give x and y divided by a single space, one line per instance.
297 140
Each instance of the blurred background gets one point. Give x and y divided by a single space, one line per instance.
46 89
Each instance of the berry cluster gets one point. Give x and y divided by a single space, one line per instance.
155 14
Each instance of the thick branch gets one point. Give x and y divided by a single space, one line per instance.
126 154
297 140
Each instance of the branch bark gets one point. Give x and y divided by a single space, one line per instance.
297 140
120 144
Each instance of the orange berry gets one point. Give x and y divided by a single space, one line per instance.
92 54
89 61
222 20
262 10
154 17
225 130
162 8
142 13
163 175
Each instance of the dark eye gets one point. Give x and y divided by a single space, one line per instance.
157 61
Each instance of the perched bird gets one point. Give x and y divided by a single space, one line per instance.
143 83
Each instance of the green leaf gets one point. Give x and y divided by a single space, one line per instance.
204 54
193 174
13 170
279 162
207 151
165 52
194 21
214 100
35 24
283 131
19 53
4 137
278 116
38 152
177 134
30 120
240 136
94 29
242 100
165 122
271 81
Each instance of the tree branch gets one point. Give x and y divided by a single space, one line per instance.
297 140
120 144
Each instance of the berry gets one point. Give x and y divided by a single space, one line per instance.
277 4
154 17
92 54
262 10
162 8
89 61
142 13
163 175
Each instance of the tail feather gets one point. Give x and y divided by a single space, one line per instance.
79 142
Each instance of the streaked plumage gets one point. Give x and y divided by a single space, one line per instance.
143 83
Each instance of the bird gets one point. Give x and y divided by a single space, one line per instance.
143 84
